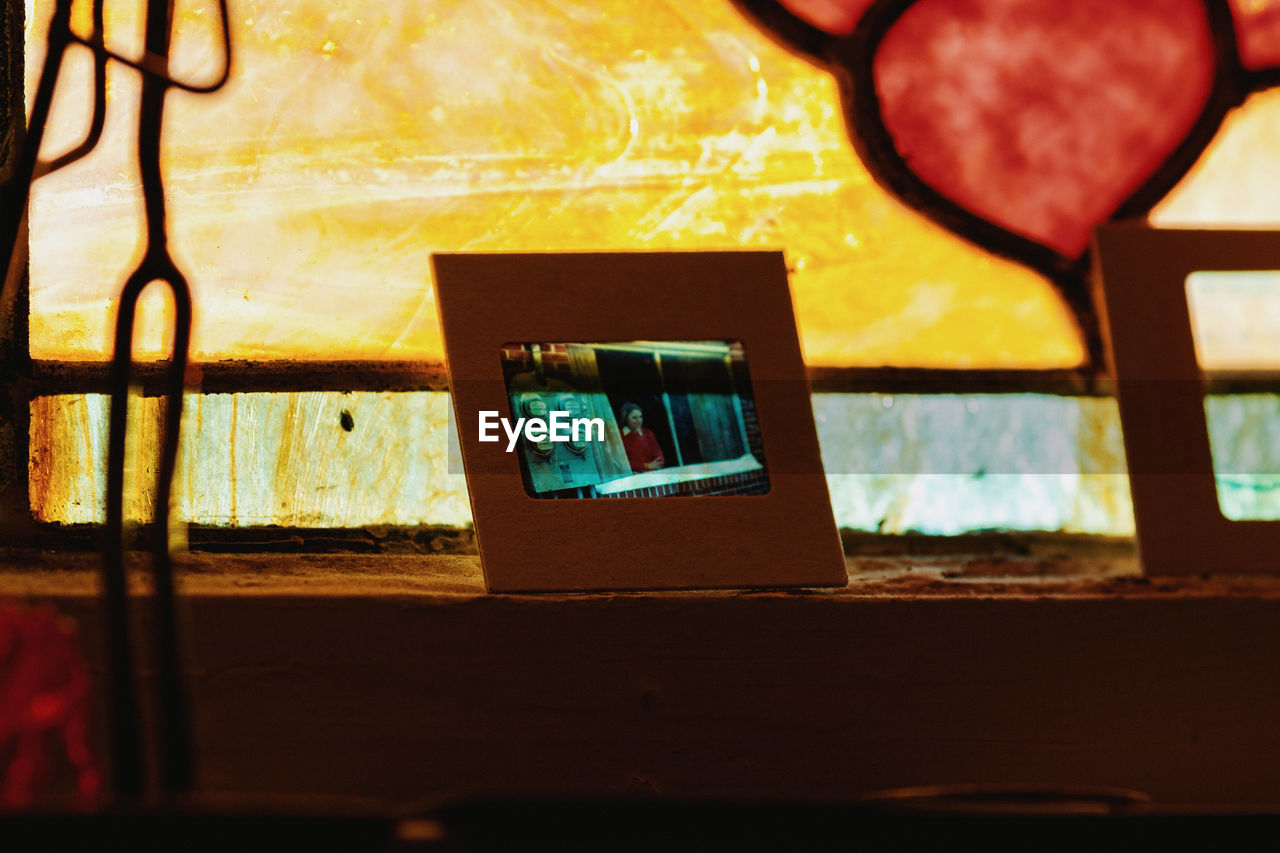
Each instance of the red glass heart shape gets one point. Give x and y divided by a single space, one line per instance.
1038 116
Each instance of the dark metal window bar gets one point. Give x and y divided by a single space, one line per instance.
173 739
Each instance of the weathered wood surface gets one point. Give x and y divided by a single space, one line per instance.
398 679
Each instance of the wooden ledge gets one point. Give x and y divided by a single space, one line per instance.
394 678
41 575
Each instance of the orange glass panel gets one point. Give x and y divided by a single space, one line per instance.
356 139
837 17
1257 24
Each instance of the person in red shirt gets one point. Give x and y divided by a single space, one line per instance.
643 451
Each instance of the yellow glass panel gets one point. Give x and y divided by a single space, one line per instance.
354 139
259 459
1234 182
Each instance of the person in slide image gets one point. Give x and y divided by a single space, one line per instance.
643 451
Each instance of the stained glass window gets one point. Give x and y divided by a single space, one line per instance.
355 139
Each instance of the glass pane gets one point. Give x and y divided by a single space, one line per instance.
951 463
322 459
355 139
1244 438
1235 319
1235 324
1233 182
1257 24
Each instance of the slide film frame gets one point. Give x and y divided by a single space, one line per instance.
1141 275
786 537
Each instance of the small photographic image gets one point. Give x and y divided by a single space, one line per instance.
634 419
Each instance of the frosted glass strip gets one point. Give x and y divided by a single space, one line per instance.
1235 319
268 459
938 464
949 464
1244 436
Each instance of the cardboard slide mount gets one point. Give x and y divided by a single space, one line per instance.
786 537
1146 322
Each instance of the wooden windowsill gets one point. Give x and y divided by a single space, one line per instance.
394 678
1055 575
